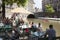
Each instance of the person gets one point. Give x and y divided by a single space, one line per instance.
33 27
14 23
27 32
1 24
40 27
51 33
15 34
40 30
22 21
18 23
7 22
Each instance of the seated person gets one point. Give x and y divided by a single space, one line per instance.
38 33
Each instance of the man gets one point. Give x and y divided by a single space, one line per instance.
40 27
1 24
15 34
51 33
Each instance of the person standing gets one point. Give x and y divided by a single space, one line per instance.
51 33
33 27
40 30
40 27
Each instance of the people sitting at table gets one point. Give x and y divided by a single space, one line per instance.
38 33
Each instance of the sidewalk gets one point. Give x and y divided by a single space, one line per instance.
57 19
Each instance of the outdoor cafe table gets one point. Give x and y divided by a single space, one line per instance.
5 27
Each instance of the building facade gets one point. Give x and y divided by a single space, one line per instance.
30 6
55 4
38 10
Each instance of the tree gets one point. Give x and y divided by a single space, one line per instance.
49 8
10 2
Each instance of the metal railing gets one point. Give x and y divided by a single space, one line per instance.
36 38
55 38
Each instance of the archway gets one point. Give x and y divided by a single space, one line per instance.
31 16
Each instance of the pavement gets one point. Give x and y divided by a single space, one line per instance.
57 19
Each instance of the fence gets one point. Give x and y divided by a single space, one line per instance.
36 38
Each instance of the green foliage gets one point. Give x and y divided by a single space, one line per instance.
19 2
49 8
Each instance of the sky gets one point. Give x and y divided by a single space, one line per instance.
38 4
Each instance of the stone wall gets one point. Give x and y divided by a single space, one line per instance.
45 14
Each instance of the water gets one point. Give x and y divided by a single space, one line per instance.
46 23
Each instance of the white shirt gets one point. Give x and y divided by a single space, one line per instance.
1 24
40 28
14 23
40 34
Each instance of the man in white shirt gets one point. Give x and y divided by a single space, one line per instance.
1 24
40 27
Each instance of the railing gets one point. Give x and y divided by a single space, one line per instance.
56 38
56 19
36 38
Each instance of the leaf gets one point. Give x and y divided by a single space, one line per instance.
49 8
19 2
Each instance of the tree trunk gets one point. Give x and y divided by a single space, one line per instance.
3 9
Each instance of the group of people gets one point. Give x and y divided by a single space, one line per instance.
36 29
50 33
12 24
11 21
